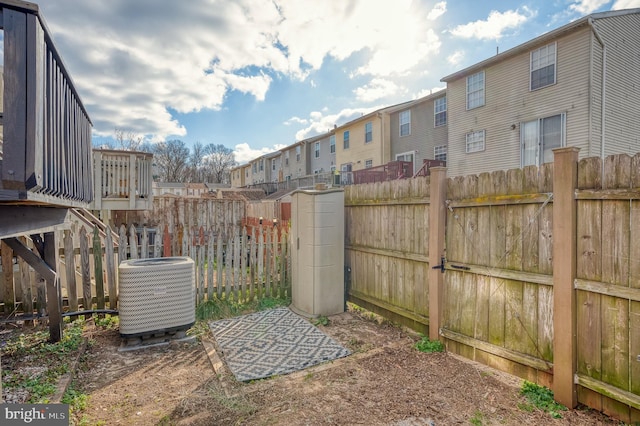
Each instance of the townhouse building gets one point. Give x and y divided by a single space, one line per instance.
574 86
322 150
418 129
364 142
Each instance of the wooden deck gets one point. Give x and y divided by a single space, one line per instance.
46 149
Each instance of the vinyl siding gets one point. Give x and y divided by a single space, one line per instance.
595 126
377 150
621 35
423 137
326 159
508 102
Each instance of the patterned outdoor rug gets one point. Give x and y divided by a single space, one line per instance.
272 342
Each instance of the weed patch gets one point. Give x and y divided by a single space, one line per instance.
429 346
47 362
322 320
540 397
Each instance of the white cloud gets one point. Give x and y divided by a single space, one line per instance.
295 120
137 62
585 7
376 89
625 4
427 92
244 153
495 25
320 123
438 10
456 57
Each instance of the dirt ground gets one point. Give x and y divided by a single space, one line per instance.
384 382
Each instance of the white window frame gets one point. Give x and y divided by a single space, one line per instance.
439 151
286 158
273 164
332 144
475 141
475 90
316 150
540 143
368 132
404 154
542 58
298 153
346 136
404 119
368 163
440 111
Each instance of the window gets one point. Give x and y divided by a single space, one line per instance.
407 156
368 164
475 141
332 144
440 152
543 67
345 140
475 90
286 158
405 123
298 153
273 164
262 164
255 167
368 132
539 137
440 111
317 150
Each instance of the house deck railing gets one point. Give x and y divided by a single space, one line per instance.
123 180
46 150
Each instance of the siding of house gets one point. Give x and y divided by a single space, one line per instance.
508 102
621 36
424 136
359 152
326 160
295 168
595 106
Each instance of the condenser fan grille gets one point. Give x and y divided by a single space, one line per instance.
156 295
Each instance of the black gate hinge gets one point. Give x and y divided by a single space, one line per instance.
440 266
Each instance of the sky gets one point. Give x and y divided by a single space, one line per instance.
259 75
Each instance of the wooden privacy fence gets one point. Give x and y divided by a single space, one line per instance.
541 271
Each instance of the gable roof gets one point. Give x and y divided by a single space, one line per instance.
544 38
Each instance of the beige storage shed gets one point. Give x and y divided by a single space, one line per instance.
317 235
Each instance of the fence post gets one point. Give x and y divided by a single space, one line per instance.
565 182
54 295
437 218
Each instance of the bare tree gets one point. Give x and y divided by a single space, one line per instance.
172 159
218 163
196 162
128 140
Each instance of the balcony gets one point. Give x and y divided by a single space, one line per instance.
45 153
123 180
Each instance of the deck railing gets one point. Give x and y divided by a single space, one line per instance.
46 150
390 171
123 180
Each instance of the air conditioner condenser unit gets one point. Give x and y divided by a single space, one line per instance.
156 296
